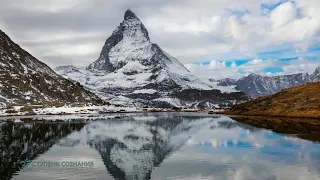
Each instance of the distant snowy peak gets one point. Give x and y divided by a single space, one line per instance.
227 82
255 85
315 76
64 70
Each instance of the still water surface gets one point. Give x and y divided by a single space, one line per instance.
157 146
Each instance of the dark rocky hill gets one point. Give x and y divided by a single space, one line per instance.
26 80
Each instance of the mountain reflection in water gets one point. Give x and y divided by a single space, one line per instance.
25 141
159 146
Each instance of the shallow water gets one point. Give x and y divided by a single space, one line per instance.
156 146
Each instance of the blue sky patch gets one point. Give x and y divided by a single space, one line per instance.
238 14
241 71
243 61
271 7
273 69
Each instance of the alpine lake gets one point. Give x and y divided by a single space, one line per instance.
160 146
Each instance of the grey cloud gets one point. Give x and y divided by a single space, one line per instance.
91 22
53 22
77 60
97 39
45 31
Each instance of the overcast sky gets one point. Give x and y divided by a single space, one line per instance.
213 38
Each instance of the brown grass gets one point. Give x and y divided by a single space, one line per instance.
27 109
299 101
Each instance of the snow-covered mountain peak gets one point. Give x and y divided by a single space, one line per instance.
129 63
130 15
129 42
130 53
315 76
132 27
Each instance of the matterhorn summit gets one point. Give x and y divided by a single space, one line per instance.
130 52
132 70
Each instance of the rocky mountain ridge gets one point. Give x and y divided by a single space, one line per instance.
255 85
26 80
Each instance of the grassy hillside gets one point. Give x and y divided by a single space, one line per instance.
299 101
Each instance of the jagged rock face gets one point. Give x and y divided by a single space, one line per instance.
315 76
24 79
134 70
255 85
129 36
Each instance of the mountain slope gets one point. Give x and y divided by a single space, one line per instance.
24 79
255 85
299 101
134 71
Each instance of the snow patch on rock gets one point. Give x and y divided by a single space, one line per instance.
144 91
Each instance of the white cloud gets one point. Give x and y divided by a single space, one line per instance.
300 65
233 65
195 27
255 61
73 31
283 14
256 66
217 64
52 6
293 23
